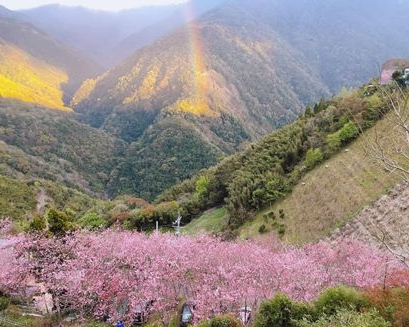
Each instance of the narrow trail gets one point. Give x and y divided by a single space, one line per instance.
42 200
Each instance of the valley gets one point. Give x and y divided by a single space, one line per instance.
204 163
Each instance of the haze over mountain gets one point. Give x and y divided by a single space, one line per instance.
108 37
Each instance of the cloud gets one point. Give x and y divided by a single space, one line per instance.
95 4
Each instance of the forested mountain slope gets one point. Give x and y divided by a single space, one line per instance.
234 75
43 144
273 169
202 81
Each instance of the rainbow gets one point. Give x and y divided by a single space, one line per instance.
201 82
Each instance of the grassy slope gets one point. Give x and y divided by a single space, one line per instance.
326 198
211 221
330 195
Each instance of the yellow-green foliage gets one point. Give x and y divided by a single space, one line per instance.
84 91
16 198
28 79
195 106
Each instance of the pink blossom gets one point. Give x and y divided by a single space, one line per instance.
100 273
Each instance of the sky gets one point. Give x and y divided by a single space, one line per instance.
113 5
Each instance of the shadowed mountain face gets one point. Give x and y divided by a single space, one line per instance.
345 42
36 68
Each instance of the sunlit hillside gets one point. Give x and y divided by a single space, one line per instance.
26 78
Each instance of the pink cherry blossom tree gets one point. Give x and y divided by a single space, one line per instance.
109 274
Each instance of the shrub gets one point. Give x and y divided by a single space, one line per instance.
345 135
224 321
92 220
348 132
281 311
4 303
202 185
338 298
281 230
334 142
37 224
391 303
262 229
313 157
348 319
58 222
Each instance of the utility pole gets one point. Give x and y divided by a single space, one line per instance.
176 225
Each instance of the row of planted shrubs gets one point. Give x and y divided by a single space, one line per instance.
336 307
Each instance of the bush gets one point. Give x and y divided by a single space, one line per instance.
224 321
345 135
348 132
262 229
37 224
4 303
391 303
339 298
92 220
313 157
348 319
281 230
281 311
58 222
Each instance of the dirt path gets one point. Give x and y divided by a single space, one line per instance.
42 200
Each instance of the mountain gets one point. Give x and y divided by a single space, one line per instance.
240 71
300 182
37 143
185 13
344 41
92 32
109 37
36 68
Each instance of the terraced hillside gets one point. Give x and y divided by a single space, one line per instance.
386 220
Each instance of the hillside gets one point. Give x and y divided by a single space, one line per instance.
329 196
385 220
235 74
188 82
272 168
44 144
36 68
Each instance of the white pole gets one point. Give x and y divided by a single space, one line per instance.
157 226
